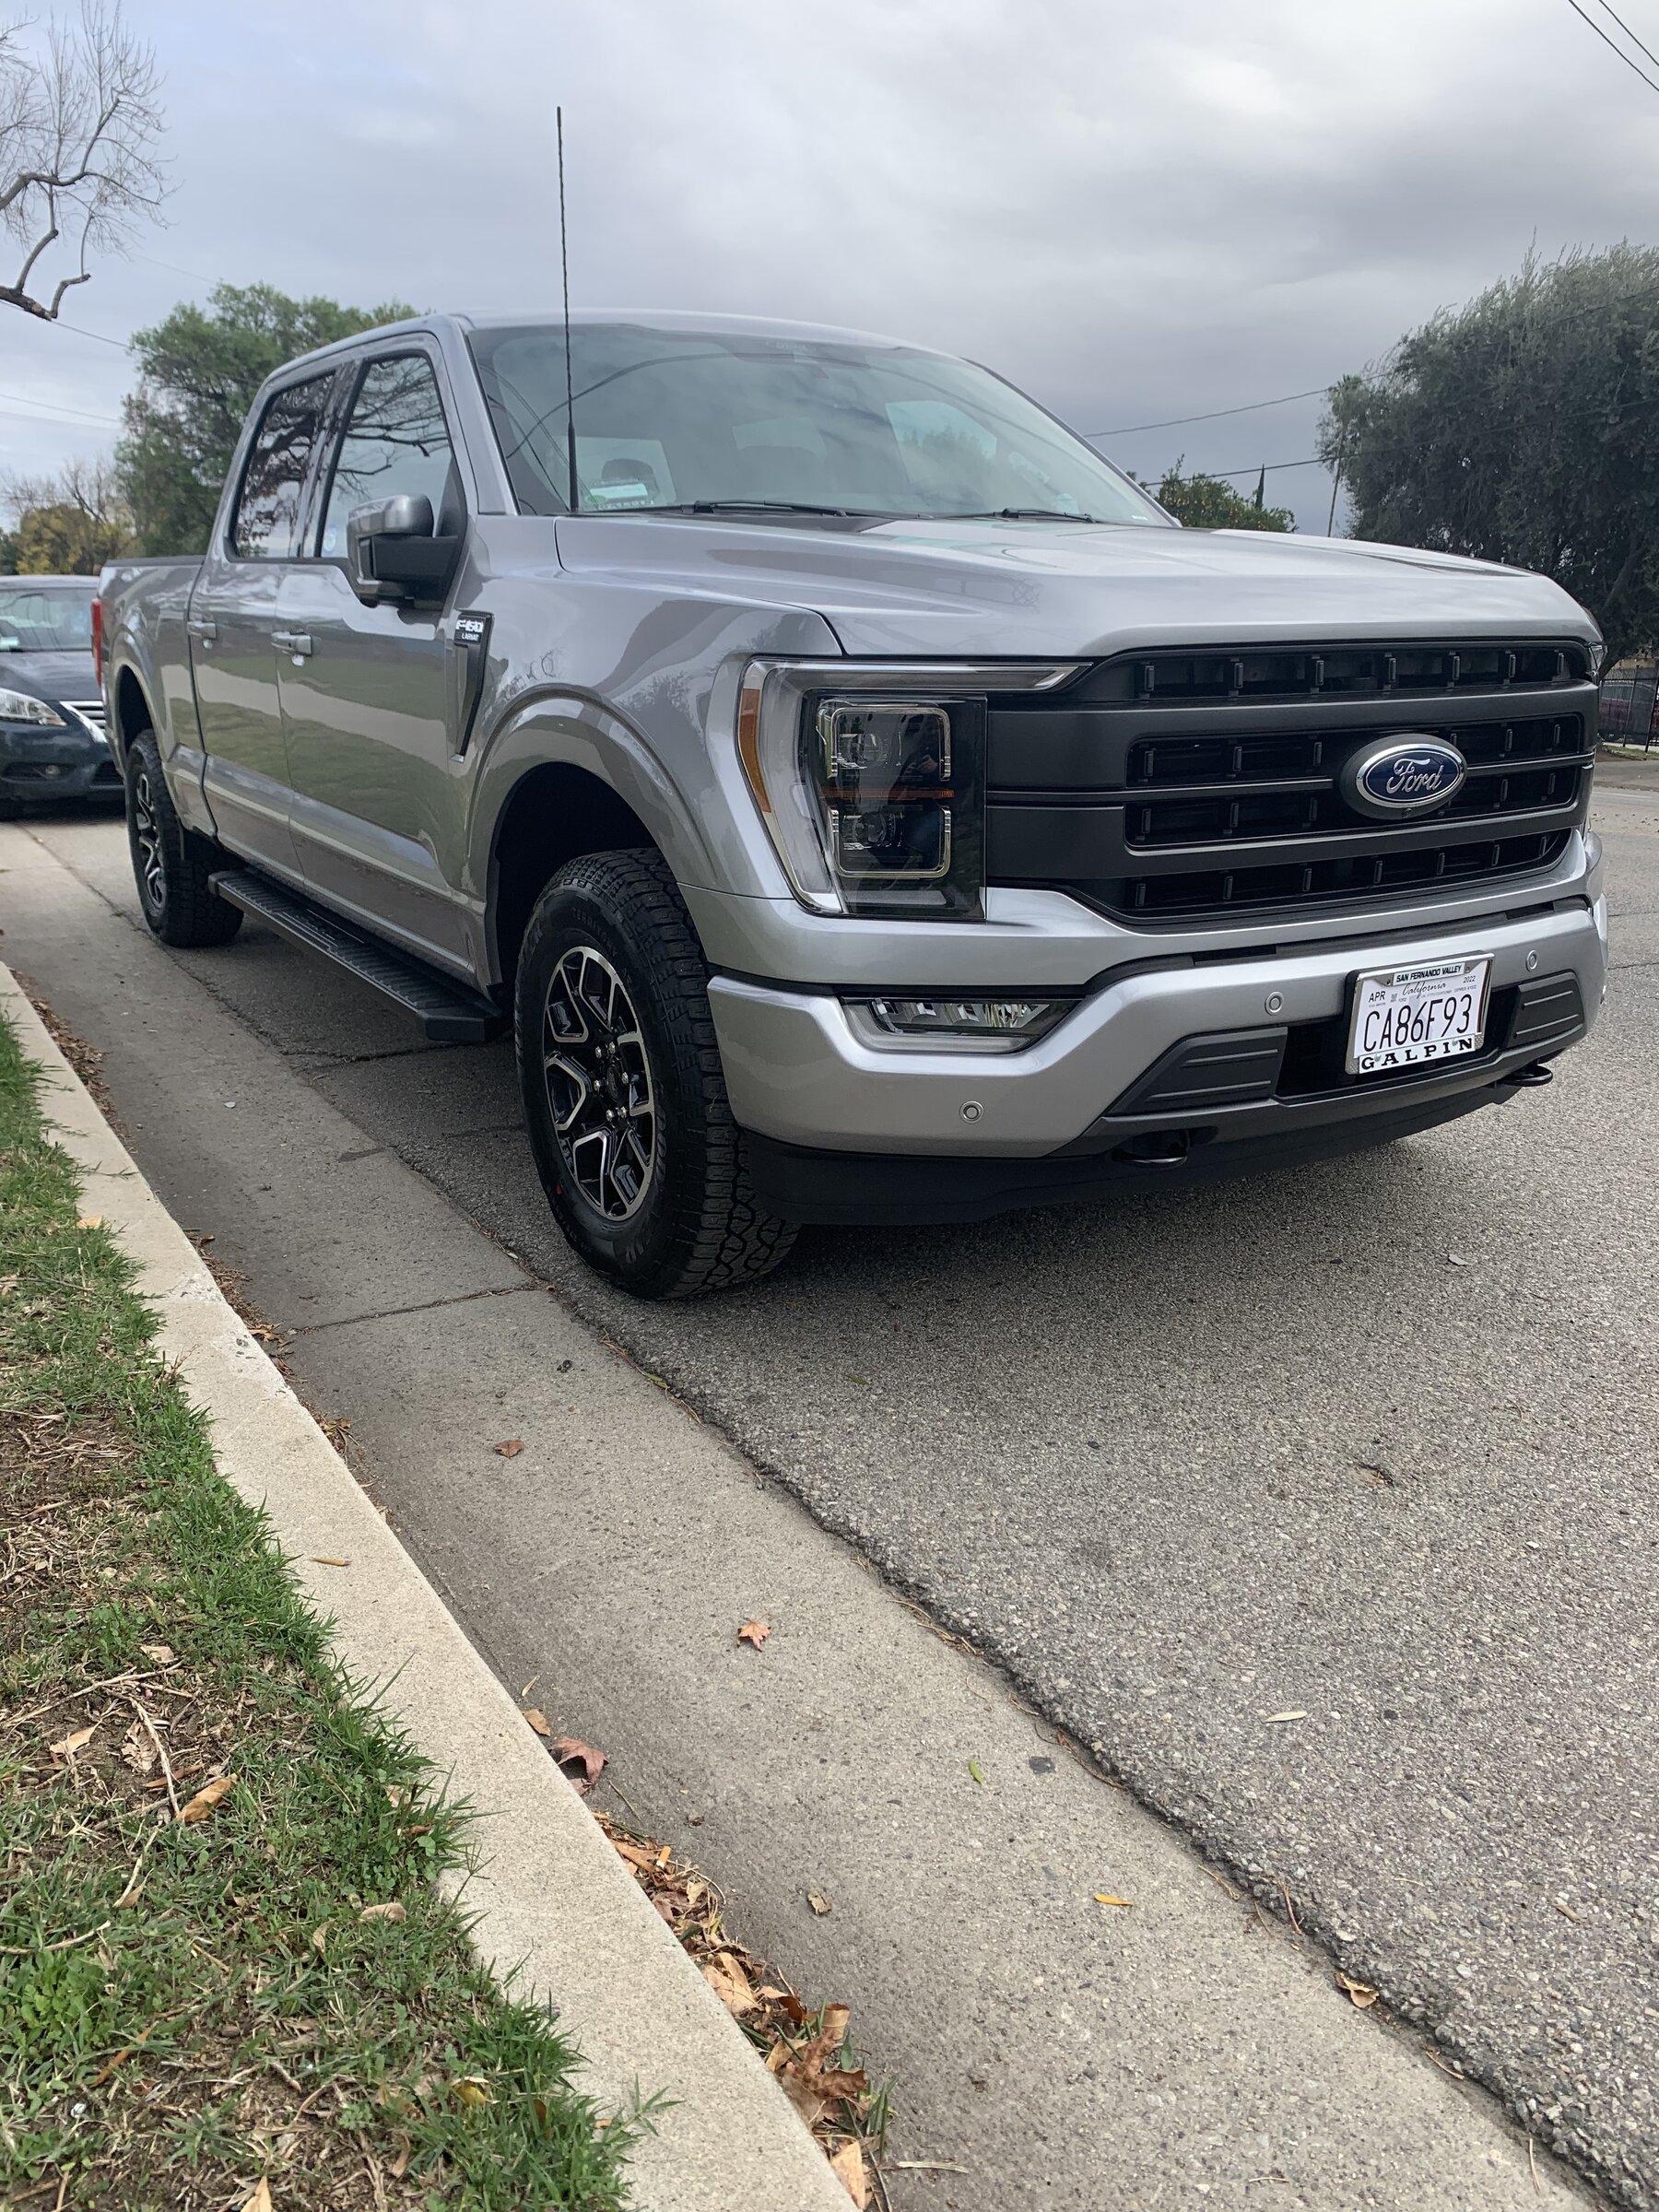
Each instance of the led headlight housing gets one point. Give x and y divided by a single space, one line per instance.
22 706
870 777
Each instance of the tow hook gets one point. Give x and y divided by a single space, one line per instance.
1157 1149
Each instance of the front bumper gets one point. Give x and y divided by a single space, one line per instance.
1108 1083
47 765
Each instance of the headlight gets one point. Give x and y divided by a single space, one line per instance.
870 777
20 706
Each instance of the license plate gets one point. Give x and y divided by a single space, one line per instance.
1405 1016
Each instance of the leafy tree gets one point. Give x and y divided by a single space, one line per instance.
1521 428
198 372
1206 503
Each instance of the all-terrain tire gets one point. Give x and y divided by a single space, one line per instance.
695 1223
172 865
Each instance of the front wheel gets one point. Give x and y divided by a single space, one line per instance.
624 1095
172 865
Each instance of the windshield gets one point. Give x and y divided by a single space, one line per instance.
33 619
678 419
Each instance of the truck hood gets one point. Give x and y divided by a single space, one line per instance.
1012 589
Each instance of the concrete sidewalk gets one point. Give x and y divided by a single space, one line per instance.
1048 2050
548 1899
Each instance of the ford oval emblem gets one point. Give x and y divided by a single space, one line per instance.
1404 775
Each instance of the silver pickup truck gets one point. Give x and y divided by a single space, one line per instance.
865 803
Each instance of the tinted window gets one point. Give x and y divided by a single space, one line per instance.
34 620
664 418
396 441
268 514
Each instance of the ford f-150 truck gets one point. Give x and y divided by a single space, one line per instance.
865 803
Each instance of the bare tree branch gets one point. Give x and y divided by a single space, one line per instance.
79 122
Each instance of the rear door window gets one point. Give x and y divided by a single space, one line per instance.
267 508
396 441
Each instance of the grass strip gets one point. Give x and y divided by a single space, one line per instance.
228 1977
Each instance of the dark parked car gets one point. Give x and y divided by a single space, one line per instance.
51 718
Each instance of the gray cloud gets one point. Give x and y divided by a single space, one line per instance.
1134 211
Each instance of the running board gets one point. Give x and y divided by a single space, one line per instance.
447 1011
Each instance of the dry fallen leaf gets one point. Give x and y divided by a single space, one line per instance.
318 1939
160 1654
538 1720
1104 1897
260 2199
90 1221
1362 1994
569 1752
321 1559
820 1903
210 1794
755 1632
1292 1712
725 1975
393 1911
138 1750
812 2075
511 1449
848 2167
77 1740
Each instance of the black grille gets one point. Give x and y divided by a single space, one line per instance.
1180 784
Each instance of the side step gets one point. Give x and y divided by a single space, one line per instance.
447 1011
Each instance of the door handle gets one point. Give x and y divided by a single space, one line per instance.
200 626
297 641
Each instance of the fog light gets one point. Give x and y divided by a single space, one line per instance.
995 1022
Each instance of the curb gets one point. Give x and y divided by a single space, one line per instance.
548 1895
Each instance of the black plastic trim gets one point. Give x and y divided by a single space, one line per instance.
447 1011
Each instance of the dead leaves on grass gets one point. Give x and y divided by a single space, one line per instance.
210 1794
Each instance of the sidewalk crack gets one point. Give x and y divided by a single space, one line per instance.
430 1305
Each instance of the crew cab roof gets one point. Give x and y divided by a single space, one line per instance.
668 320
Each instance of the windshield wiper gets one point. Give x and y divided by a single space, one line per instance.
736 507
1020 515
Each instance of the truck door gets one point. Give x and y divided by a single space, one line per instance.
367 689
233 615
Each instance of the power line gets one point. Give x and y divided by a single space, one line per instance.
1612 44
78 414
1607 8
121 344
1256 467
1172 422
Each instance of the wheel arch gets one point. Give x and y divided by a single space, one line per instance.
131 710
567 779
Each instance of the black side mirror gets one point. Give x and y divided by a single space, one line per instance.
392 554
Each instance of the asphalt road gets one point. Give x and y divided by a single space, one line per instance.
1372 1441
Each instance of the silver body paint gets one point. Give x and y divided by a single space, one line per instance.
617 646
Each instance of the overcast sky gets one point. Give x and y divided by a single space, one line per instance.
1135 211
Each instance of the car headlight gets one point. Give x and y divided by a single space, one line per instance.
870 777
21 706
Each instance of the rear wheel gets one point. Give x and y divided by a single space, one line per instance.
172 865
624 1097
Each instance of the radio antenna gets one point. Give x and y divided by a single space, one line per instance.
564 263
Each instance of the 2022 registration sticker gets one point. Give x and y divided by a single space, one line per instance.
1405 1016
